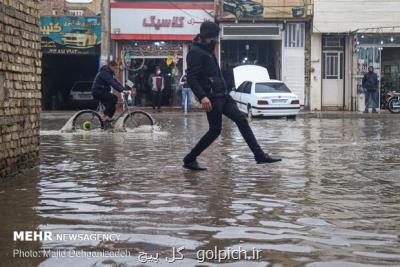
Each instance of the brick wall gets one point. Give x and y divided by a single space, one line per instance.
52 7
20 69
91 9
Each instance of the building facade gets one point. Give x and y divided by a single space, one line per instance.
271 33
65 8
347 37
20 69
158 33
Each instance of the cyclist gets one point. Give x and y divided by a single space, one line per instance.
101 89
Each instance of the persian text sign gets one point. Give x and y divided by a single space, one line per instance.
175 22
70 35
158 21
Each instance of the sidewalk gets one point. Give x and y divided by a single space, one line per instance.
66 114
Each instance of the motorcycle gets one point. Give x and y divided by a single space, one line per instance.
385 96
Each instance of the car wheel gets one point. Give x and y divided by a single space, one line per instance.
249 112
292 117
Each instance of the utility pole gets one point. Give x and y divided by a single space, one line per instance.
105 32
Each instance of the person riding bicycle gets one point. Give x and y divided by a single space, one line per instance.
101 89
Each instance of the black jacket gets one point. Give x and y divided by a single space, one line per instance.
370 81
203 73
104 79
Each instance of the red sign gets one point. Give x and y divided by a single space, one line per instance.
153 21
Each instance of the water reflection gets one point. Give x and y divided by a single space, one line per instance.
333 201
18 198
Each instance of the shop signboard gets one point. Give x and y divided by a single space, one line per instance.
70 35
158 21
260 9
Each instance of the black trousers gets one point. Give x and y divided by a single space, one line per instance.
228 107
373 95
109 101
157 97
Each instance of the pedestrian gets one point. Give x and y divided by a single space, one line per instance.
186 92
157 86
101 89
370 84
207 83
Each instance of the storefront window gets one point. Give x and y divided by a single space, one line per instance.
266 53
383 52
378 40
140 60
390 74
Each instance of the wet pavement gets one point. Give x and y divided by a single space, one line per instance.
334 200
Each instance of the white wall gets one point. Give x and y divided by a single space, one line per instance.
293 58
348 15
316 65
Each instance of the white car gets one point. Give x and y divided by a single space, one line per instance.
257 95
81 95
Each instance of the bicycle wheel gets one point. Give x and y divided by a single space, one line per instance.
136 119
87 120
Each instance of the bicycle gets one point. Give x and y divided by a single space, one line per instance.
88 119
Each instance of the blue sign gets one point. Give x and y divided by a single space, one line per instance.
70 35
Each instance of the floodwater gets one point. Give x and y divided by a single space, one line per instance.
334 200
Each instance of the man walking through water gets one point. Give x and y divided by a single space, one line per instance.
207 83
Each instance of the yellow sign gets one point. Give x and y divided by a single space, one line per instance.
170 60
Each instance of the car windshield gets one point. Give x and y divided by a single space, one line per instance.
78 31
272 88
82 87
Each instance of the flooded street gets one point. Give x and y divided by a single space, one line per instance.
334 200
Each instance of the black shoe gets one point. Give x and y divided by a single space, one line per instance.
374 111
267 159
365 111
194 166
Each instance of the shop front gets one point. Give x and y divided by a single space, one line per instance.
267 33
148 36
382 51
71 55
251 44
278 47
140 59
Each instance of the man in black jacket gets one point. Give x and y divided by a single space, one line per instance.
207 83
370 85
101 89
